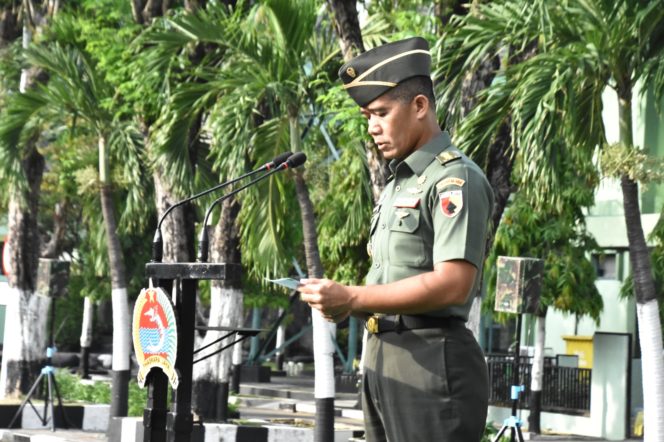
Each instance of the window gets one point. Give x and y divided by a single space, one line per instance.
606 265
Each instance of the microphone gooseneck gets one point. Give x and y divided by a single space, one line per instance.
157 242
293 161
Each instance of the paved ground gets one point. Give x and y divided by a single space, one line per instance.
285 398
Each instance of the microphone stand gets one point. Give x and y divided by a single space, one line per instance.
293 161
157 242
204 241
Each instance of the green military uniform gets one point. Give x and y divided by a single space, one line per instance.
425 377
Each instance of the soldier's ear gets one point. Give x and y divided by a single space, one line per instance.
421 106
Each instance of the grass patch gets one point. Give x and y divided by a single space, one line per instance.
74 389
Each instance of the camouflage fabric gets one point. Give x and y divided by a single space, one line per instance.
518 284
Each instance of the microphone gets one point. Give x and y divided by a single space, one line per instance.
295 160
157 243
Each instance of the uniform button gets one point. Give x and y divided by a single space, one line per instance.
377 265
382 226
398 188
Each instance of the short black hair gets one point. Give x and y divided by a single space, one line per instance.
412 87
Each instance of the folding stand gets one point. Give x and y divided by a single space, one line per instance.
46 373
513 423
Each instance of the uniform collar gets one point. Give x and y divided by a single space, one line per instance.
419 160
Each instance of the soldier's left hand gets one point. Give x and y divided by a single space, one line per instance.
330 298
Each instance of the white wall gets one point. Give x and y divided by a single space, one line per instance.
608 396
617 317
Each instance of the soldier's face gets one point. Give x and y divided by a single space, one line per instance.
393 126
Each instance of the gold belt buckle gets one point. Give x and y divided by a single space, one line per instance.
372 324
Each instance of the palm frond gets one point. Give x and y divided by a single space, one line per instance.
75 85
20 109
126 149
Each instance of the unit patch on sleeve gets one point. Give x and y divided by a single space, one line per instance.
451 202
449 182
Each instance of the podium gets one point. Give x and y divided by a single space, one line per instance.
181 279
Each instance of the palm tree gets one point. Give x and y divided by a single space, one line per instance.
582 48
560 239
76 90
257 95
22 168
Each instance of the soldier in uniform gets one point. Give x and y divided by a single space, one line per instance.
425 377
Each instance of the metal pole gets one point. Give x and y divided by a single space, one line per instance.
515 362
156 408
154 413
255 323
180 421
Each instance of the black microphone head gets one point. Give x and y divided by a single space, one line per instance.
296 160
278 160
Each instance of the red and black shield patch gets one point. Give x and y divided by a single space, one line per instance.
451 202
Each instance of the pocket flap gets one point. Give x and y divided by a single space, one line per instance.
405 220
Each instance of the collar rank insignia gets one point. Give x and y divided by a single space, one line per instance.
451 202
447 156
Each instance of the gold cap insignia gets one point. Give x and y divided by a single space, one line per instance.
351 72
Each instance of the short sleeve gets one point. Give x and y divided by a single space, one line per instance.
461 203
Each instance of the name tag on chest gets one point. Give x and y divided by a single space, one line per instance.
405 202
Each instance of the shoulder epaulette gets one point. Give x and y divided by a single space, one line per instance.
447 156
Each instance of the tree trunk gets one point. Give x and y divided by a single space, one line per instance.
647 307
10 28
144 11
193 5
324 332
86 337
498 167
178 227
26 312
445 9
55 245
347 27
121 324
537 375
26 318
211 376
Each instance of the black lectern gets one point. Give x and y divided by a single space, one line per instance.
182 278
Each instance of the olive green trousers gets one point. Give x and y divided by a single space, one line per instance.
425 385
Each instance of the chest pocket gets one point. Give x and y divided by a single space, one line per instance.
406 246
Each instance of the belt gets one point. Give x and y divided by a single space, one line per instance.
399 323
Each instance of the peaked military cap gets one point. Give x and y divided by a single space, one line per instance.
372 73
